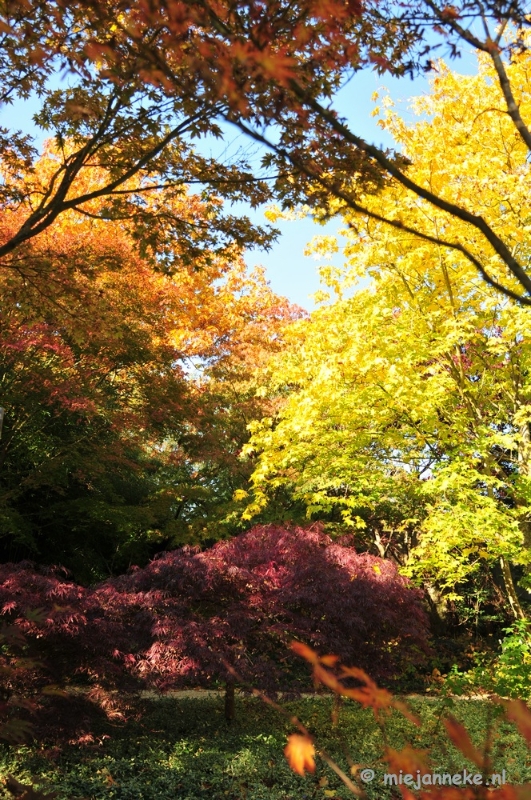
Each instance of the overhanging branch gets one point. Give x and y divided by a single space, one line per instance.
349 201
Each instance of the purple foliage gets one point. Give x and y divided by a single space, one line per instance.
175 622
245 600
65 637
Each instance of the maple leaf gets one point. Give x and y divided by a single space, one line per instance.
300 753
305 652
461 739
450 13
355 7
409 760
277 65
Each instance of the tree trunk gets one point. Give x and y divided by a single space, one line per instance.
437 609
524 466
516 608
230 709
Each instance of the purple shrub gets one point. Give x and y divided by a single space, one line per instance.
243 601
179 620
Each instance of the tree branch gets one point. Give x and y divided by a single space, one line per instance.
44 216
491 47
349 201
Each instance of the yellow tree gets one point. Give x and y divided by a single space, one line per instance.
415 392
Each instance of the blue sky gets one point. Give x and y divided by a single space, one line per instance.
289 271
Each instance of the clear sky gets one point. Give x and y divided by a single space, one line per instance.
289 271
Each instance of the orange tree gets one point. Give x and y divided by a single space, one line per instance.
127 390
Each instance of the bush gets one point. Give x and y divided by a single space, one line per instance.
507 675
243 601
190 616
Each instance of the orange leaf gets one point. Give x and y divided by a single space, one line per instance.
360 675
522 792
355 7
329 661
405 711
277 65
300 753
409 760
37 55
304 651
450 12
459 736
519 713
322 675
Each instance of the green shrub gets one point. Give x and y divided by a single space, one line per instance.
507 675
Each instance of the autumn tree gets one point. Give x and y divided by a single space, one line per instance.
190 616
406 406
144 77
262 67
126 390
137 136
241 601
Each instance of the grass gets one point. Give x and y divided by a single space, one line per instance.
183 749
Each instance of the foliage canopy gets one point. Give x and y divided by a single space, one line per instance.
406 407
